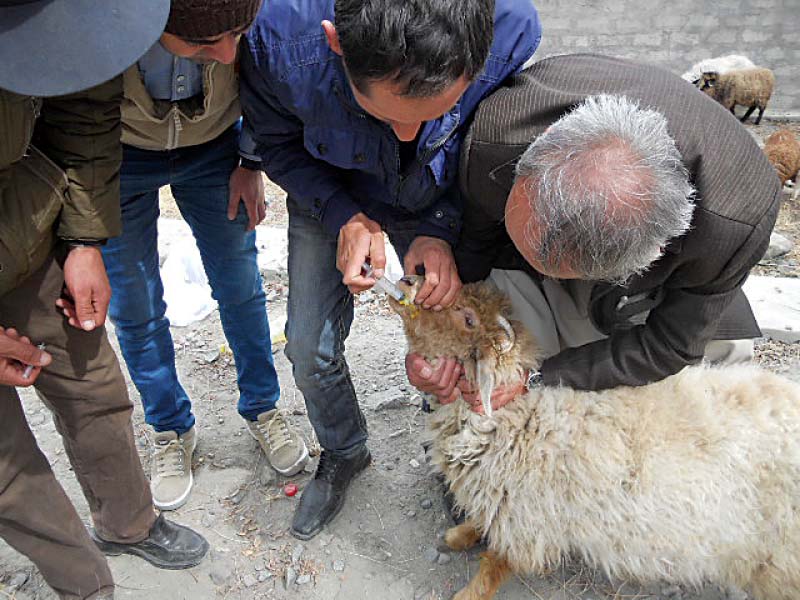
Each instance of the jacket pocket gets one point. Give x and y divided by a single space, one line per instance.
17 119
342 148
30 205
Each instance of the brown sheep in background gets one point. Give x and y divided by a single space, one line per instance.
693 479
783 151
746 87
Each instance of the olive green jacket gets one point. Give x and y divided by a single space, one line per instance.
59 174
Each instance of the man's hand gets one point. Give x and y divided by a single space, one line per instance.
446 381
501 395
360 238
247 186
87 292
16 353
439 380
442 282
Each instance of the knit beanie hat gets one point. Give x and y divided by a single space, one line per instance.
200 19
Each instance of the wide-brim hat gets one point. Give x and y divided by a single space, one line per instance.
54 47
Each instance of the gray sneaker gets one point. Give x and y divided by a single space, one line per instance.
171 472
285 449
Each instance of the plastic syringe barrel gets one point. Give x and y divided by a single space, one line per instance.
385 285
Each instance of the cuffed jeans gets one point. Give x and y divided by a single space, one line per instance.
198 176
84 389
320 313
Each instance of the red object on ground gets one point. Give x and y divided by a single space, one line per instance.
290 489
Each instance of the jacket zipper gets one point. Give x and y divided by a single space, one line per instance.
175 128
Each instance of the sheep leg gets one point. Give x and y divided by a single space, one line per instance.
760 114
462 537
748 113
492 573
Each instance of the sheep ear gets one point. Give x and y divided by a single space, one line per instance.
485 376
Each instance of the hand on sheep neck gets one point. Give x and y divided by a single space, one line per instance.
477 335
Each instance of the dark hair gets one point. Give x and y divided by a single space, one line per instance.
424 45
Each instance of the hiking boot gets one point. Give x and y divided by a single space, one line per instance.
171 472
324 496
168 546
285 449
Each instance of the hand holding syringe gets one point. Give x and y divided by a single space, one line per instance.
384 284
392 290
20 360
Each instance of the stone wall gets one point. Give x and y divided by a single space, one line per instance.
677 33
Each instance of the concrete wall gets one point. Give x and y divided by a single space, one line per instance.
677 33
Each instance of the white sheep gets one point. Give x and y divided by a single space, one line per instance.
690 480
720 64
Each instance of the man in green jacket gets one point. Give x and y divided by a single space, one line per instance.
59 201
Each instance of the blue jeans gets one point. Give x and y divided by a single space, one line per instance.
199 177
320 313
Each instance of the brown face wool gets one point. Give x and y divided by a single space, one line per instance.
202 19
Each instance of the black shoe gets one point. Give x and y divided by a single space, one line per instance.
169 546
323 498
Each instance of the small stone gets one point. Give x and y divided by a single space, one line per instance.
414 463
778 246
207 520
443 559
37 420
411 514
249 581
18 579
220 574
296 554
263 576
426 503
210 356
289 578
430 554
338 566
267 477
220 420
389 466
303 579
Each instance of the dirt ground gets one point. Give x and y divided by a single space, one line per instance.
384 544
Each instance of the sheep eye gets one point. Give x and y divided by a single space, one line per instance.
469 321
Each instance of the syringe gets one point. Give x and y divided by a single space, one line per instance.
385 285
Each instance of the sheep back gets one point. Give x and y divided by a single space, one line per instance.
746 87
719 64
783 151
691 479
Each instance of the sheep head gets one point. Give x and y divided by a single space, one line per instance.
477 330
708 82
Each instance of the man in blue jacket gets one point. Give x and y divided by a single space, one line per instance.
358 110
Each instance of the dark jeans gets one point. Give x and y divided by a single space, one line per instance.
320 313
198 176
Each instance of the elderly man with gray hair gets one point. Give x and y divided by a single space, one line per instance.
621 211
